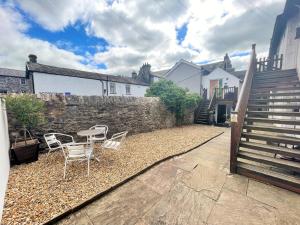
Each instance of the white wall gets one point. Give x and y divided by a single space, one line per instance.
135 90
289 46
186 76
4 157
61 84
218 74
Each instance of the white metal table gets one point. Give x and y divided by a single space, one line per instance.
89 133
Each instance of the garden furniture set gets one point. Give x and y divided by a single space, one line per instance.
83 151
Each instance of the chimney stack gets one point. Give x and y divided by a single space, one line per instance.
32 58
134 75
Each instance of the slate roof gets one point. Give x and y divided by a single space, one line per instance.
41 68
160 73
12 72
211 66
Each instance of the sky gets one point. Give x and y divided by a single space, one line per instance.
118 36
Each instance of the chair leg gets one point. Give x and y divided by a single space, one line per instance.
65 169
48 153
88 161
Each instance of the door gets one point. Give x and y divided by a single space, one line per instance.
212 85
221 114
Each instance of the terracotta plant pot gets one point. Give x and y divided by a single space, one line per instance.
25 151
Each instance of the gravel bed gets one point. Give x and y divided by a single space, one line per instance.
37 191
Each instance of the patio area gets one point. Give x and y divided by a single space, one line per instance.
196 189
37 192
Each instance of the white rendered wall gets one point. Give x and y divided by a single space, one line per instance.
65 84
289 46
218 74
4 155
186 76
135 90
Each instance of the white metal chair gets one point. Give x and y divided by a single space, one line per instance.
54 144
115 141
78 152
98 137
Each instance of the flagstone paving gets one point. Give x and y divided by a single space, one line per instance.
194 189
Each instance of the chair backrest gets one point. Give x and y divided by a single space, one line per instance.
100 127
115 141
51 140
76 150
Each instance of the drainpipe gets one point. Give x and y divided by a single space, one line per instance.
102 87
106 85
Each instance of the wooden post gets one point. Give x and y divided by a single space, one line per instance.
276 61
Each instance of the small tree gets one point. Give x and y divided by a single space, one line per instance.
176 99
27 109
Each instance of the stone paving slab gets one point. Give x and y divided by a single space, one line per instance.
123 206
236 209
180 206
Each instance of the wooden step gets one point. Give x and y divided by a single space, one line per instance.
287 106
275 84
275 76
275 72
280 163
275 100
271 120
271 113
275 94
276 139
271 149
264 90
273 129
275 80
288 182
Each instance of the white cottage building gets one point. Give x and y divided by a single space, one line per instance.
51 79
217 82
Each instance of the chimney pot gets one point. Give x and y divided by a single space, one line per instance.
32 58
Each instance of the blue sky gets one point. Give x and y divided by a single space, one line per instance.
119 36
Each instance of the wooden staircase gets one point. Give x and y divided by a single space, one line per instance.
202 114
265 142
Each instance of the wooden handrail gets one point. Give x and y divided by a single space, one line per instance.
238 116
212 101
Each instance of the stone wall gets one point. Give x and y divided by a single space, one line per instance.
14 85
69 114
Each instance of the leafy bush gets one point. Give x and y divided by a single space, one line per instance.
27 109
176 99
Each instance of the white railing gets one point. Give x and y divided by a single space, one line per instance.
4 153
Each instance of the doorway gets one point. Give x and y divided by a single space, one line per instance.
221 118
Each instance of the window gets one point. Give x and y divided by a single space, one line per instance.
3 91
297 32
112 88
23 81
2 80
127 87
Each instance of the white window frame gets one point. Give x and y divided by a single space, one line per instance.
23 79
128 89
112 88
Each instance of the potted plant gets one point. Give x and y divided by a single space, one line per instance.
28 110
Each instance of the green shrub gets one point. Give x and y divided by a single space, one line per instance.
176 99
27 109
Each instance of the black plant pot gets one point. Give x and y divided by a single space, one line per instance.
25 151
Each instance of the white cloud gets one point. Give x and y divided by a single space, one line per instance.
15 46
142 31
